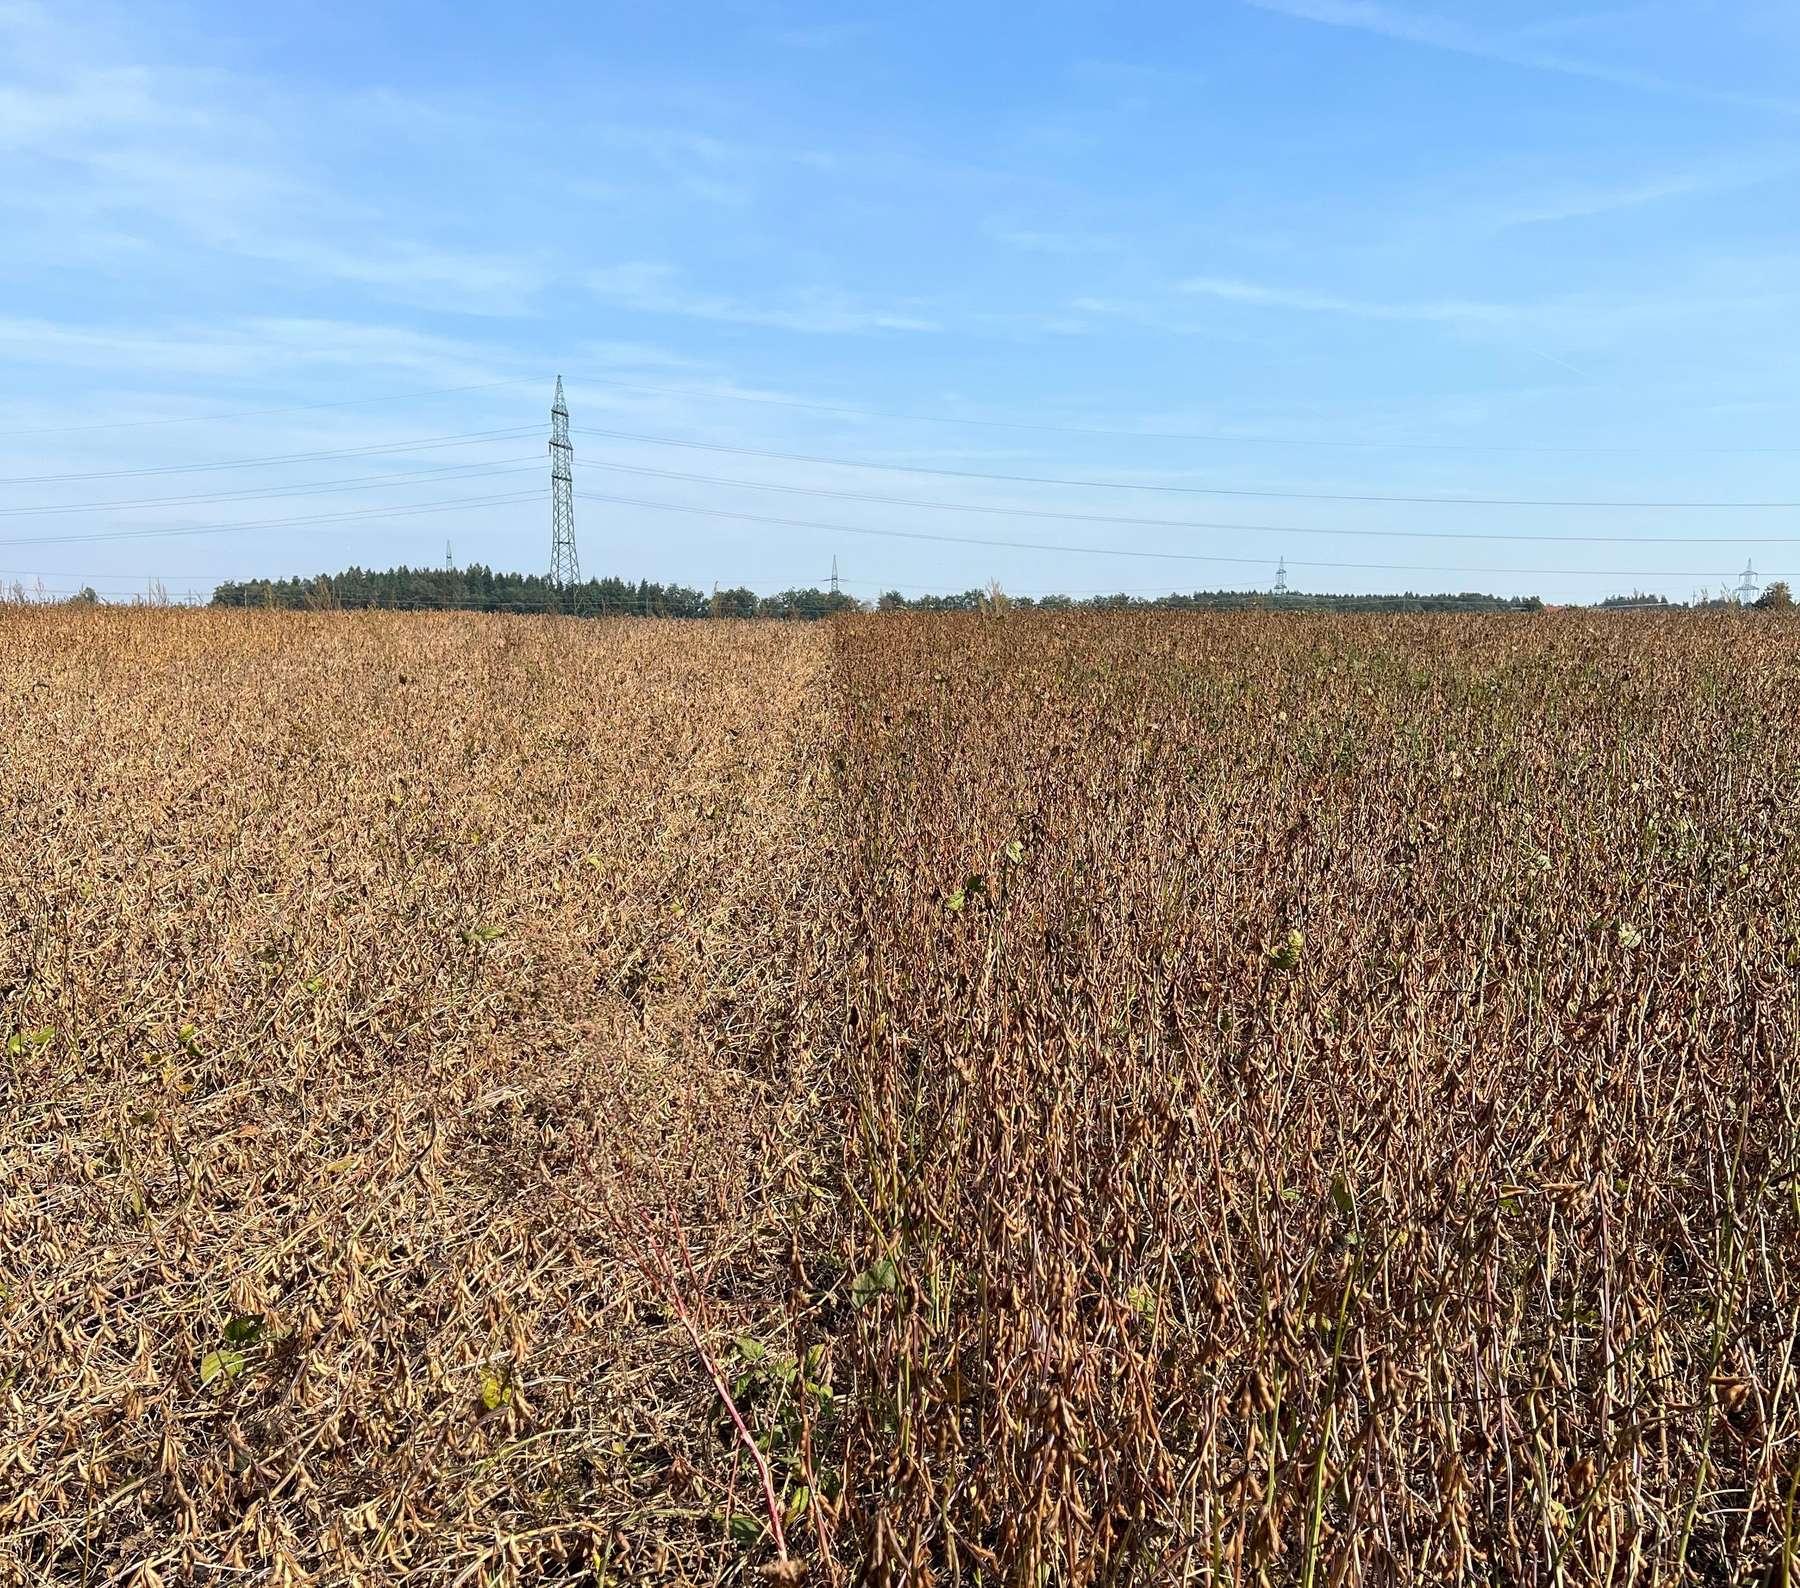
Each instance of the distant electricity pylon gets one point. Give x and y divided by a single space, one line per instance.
449 559
565 571
834 576
1748 589
1281 577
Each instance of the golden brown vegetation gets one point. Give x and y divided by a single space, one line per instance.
1240 1100
337 952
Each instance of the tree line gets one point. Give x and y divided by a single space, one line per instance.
481 589
1212 601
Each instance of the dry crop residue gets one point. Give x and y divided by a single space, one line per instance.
355 970
1239 1100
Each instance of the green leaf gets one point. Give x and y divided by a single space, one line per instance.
1340 1194
226 1362
496 1389
244 1327
749 1350
482 934
881 1279
1286 955
745 1529
955 901
1015 852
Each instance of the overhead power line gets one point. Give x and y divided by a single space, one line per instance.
766 399
135 580
1131 434
312 488
1187 523
379 449
1116 551
1178 490
449 505
258 413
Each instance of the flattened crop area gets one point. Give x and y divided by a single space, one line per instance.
353 969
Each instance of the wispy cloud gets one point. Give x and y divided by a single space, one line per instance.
825 36
817 311
249 348
730 173
626 357
424 276
1451 311
1720 302
1038 240
1550 203
1518 49
189 164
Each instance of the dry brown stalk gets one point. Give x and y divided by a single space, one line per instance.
1254 1099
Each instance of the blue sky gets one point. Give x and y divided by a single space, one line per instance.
1312 248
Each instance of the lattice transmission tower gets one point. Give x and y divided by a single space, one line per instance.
1748 589
565 570
1281 585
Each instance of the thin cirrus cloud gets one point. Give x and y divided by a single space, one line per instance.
249 347
1743 293
825 36
1444 33
1551 205
1441 312
189 166
655 289
1039 240
423 276
1729 303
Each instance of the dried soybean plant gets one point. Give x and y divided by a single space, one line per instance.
1055 1100
334 948
1324 1099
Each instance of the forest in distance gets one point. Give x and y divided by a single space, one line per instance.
481 589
